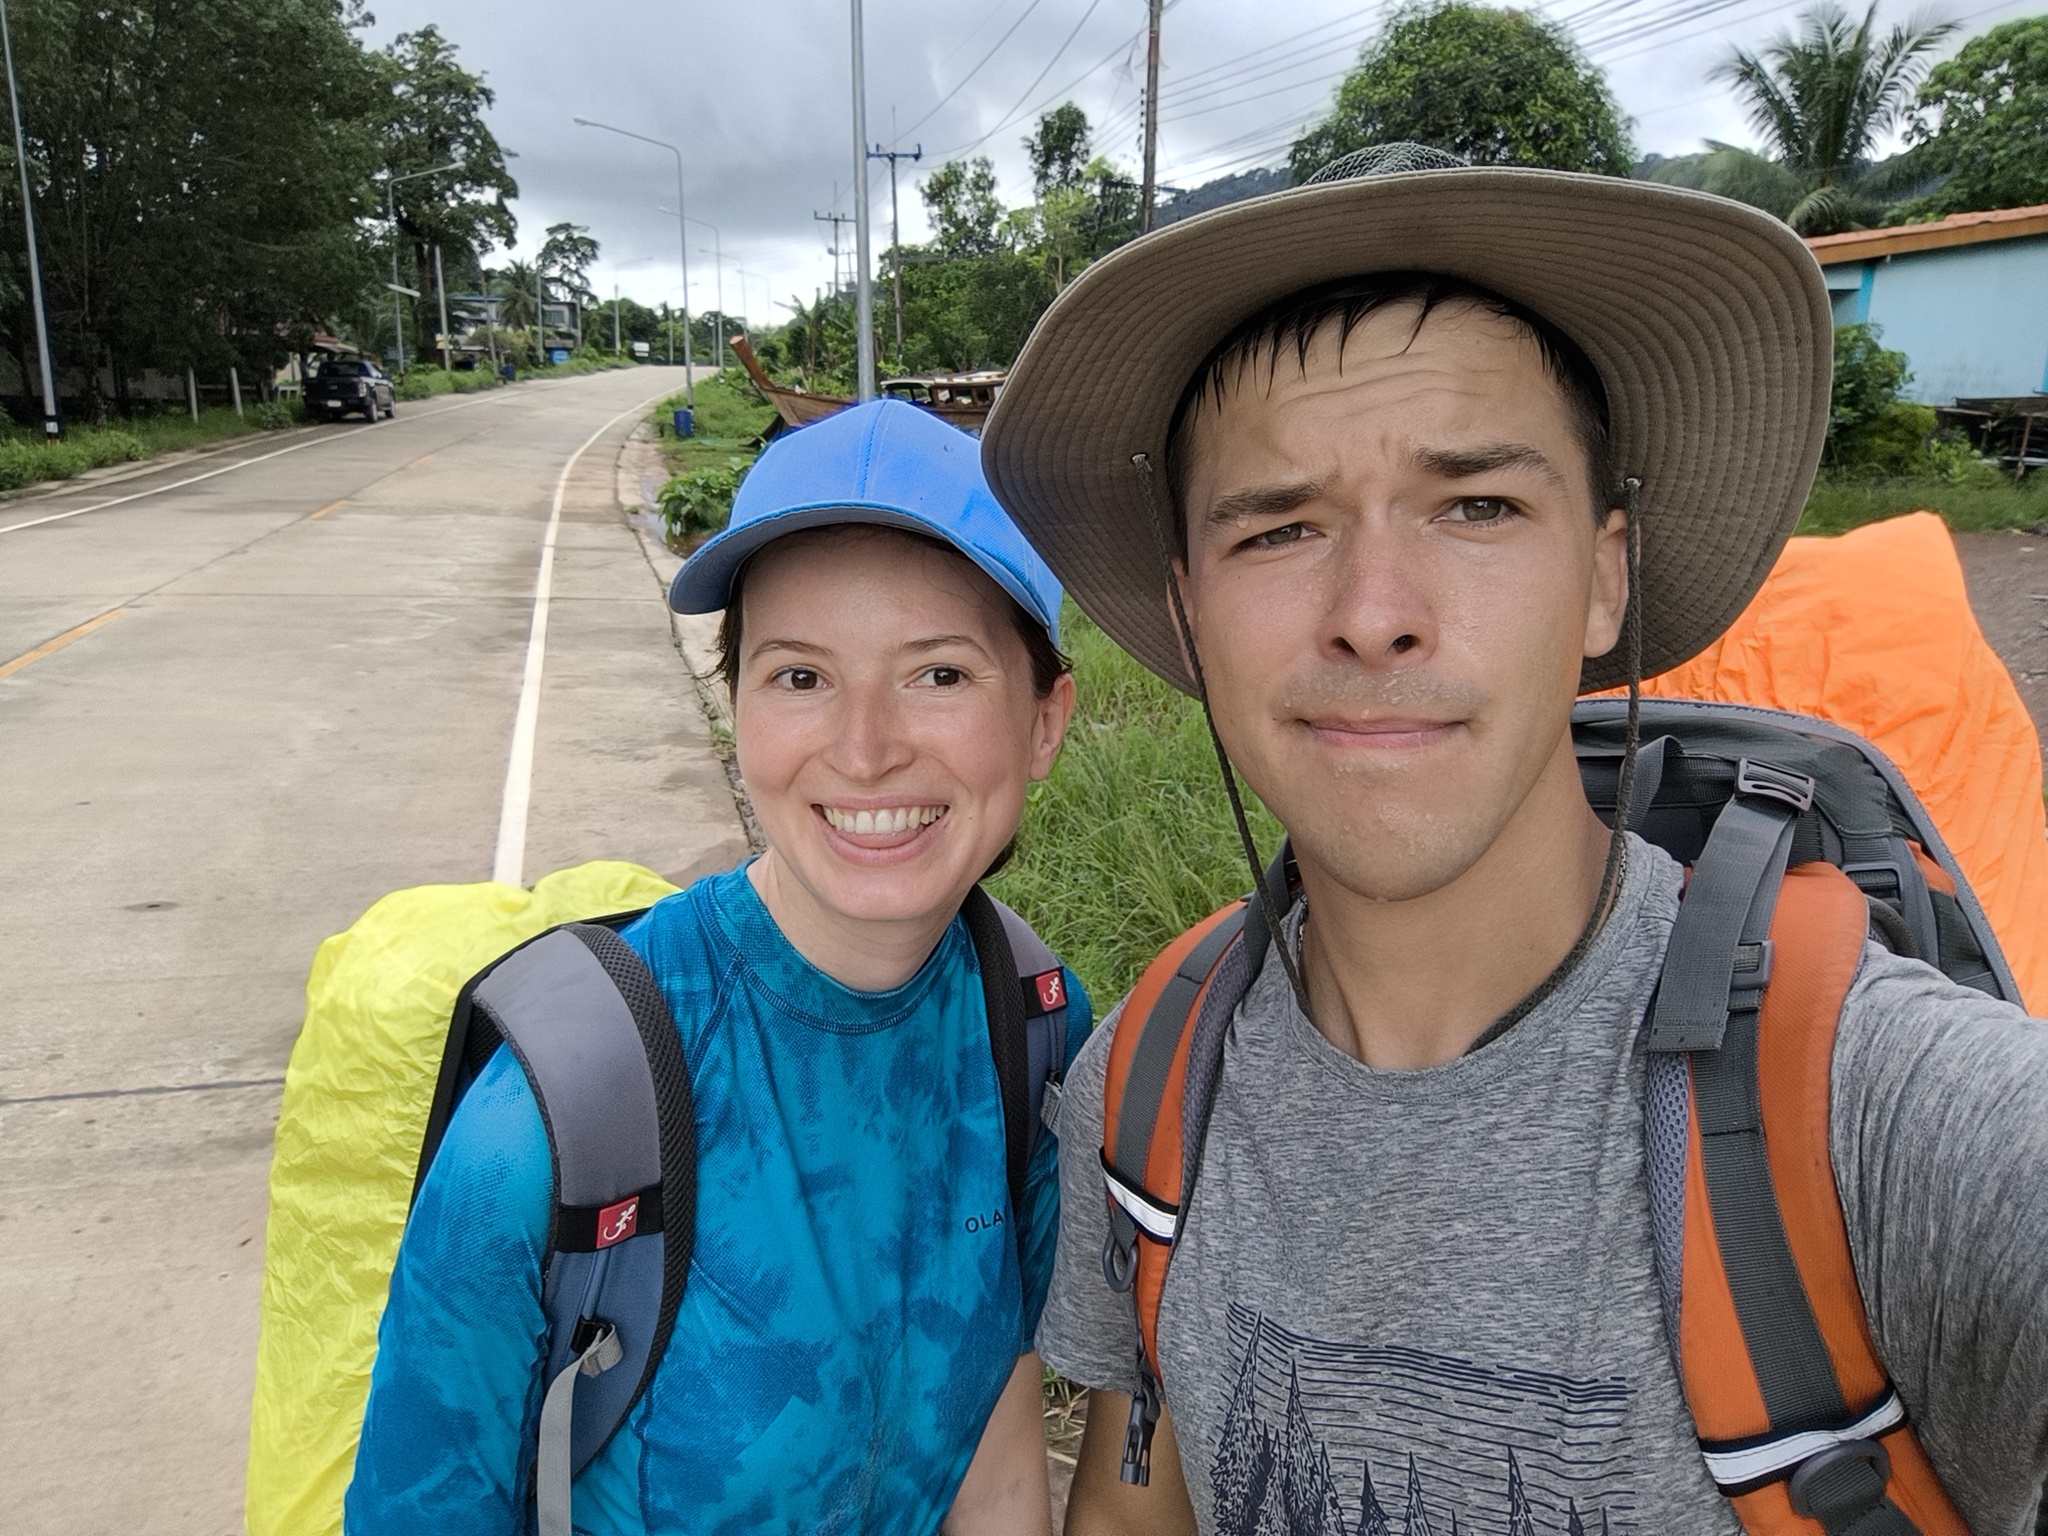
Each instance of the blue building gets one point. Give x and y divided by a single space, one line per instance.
1965 298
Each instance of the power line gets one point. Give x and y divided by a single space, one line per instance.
1022 17
1039 79
1122 47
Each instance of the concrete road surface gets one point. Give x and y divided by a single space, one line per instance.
252 705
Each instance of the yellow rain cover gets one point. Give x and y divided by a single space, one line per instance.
356 1099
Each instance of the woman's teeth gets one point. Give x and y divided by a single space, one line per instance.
901 818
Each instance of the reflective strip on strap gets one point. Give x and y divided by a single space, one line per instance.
1763 1461
1155 1220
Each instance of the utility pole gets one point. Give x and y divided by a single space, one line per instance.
863 289
682 244
896 233
615 319
391 214
441 296
540 315
53 424
835 220
1151 121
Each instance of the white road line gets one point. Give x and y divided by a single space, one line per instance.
228 469
508 866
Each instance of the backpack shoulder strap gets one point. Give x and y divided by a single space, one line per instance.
1796 1416
1152 1123
590 1028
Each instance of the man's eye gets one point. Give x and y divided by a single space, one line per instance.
1481 509
1278 538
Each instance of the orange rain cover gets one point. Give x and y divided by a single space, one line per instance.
1873 630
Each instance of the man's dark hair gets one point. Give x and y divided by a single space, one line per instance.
1048 663
1291 324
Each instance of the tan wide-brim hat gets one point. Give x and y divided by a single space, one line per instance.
1707 319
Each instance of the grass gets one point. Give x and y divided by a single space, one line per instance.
1977 505
1131 839
729 417
26 459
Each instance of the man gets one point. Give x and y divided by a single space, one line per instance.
1388 433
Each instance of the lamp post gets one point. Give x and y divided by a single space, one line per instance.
391 213
718 266
863 286
53 425
682 242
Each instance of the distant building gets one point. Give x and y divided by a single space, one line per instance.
1965 298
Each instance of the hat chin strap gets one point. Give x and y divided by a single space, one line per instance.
1617 842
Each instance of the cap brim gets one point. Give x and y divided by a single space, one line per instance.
1707 319
705 581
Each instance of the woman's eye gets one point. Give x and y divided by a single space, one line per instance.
801 679
1481 509
946 677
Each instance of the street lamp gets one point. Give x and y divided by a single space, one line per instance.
718 266
863 288
391 213
682 242
53 425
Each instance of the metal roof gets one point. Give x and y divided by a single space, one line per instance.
1956 229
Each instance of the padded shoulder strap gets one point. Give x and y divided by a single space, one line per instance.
1797 1419
591 1030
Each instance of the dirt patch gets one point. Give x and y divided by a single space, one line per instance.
2007 575
1066 1415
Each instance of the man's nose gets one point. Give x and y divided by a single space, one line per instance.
1375 601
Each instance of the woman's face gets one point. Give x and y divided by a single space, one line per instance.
885 720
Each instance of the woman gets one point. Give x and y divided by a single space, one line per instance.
853 1350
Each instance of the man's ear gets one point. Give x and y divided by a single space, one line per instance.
1607 598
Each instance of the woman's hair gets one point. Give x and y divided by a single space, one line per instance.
1048 663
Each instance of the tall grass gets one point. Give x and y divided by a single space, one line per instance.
1131 840
729 416
1977 505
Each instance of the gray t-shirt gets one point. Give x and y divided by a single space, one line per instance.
1424 1301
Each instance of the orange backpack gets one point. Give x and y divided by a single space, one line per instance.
1801 841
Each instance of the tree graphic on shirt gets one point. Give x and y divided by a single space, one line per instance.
1372 1520
1309 1489
1573 1525
1230 1476
1521 1520
1417 1522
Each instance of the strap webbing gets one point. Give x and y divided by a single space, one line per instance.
1152 1063
552 1472
1008 1033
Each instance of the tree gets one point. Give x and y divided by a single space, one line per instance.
1496 87
201 171
960 197
1822 98
1059 148
1983 119
567 255
434 117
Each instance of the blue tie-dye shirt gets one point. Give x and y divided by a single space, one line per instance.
855 1302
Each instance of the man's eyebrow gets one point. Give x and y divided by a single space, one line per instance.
1463 463
1263 501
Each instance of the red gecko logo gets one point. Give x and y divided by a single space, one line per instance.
1052 990
616 1223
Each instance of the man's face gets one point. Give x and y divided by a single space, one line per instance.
1393 575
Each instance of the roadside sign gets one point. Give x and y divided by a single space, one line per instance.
640 349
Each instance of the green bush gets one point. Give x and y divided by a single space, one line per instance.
699 502
1130 841
274 415
25 461
1871 431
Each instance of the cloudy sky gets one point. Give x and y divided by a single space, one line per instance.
758 94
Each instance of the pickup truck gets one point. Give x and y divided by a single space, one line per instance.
342 385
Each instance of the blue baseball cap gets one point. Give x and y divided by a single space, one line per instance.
886 462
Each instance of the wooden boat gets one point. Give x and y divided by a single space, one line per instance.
960 399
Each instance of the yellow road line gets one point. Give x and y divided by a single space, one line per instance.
50 647
327 509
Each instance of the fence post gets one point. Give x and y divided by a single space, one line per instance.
192 394
235 389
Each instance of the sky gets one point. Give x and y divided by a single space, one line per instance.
758 95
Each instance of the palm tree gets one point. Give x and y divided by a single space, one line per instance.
512 284
1822 97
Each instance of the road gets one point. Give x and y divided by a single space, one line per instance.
273 695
